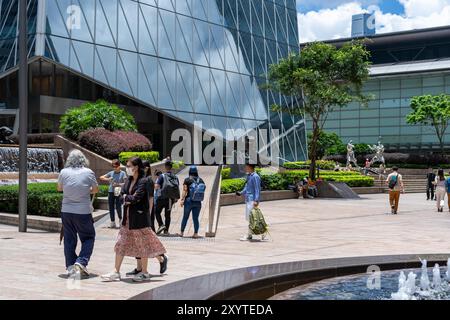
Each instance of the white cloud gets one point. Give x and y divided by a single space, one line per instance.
327 24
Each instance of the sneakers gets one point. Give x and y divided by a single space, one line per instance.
141 276
111 277
133 273
71 271
246 238
163 265
112 225
81 269
160 229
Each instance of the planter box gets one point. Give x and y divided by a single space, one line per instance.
232 199
49 224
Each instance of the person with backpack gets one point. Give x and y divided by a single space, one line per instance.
252 193
440 182
395 184
193 194
167 193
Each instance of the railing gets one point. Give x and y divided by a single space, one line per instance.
214 204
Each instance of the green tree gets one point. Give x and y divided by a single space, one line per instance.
322 78
328 143
99 114
432 111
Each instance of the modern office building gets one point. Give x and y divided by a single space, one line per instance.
405 64
169 62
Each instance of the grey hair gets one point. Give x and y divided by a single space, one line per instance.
76 159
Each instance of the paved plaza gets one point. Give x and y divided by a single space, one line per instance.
32 264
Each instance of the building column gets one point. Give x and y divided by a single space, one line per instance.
165 136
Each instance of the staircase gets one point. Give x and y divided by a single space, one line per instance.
412 183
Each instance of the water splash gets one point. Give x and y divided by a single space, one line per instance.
437 281
424 279
39 160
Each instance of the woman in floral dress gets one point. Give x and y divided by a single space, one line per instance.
136 238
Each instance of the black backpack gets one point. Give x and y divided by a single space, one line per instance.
171 187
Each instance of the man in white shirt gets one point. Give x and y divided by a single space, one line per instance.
395 184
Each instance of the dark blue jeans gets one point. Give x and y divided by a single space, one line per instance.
81 225
114 204
195 208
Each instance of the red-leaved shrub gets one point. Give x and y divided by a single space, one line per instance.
110 144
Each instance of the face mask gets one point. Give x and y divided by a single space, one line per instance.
130 171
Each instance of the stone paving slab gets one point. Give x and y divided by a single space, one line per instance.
32 263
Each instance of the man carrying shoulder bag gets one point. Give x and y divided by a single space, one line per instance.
395 184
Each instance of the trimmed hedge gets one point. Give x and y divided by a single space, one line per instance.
43 199
322 164
151 156
226 173
281 181
232 185
111 144
403 160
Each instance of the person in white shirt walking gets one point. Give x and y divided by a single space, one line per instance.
395 184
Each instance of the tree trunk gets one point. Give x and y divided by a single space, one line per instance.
313 153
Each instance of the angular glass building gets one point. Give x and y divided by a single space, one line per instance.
169 62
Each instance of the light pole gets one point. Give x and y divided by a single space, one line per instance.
23 114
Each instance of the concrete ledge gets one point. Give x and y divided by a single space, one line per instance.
50 224
232 199
368 190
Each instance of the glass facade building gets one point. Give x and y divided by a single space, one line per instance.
405 65
172 62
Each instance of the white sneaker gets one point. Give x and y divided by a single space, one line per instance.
112 225
111 277
141 276
263 237
71 271
246 238
81 269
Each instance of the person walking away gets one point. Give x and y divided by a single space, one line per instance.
431 176
252 193
116 179
136 238
395 184
77 182
168 189
193 194
440 184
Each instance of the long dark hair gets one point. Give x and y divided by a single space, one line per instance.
146 165
441 174
137 162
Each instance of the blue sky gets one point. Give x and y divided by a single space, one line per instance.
331 19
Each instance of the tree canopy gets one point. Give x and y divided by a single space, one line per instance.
321 78
432 111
